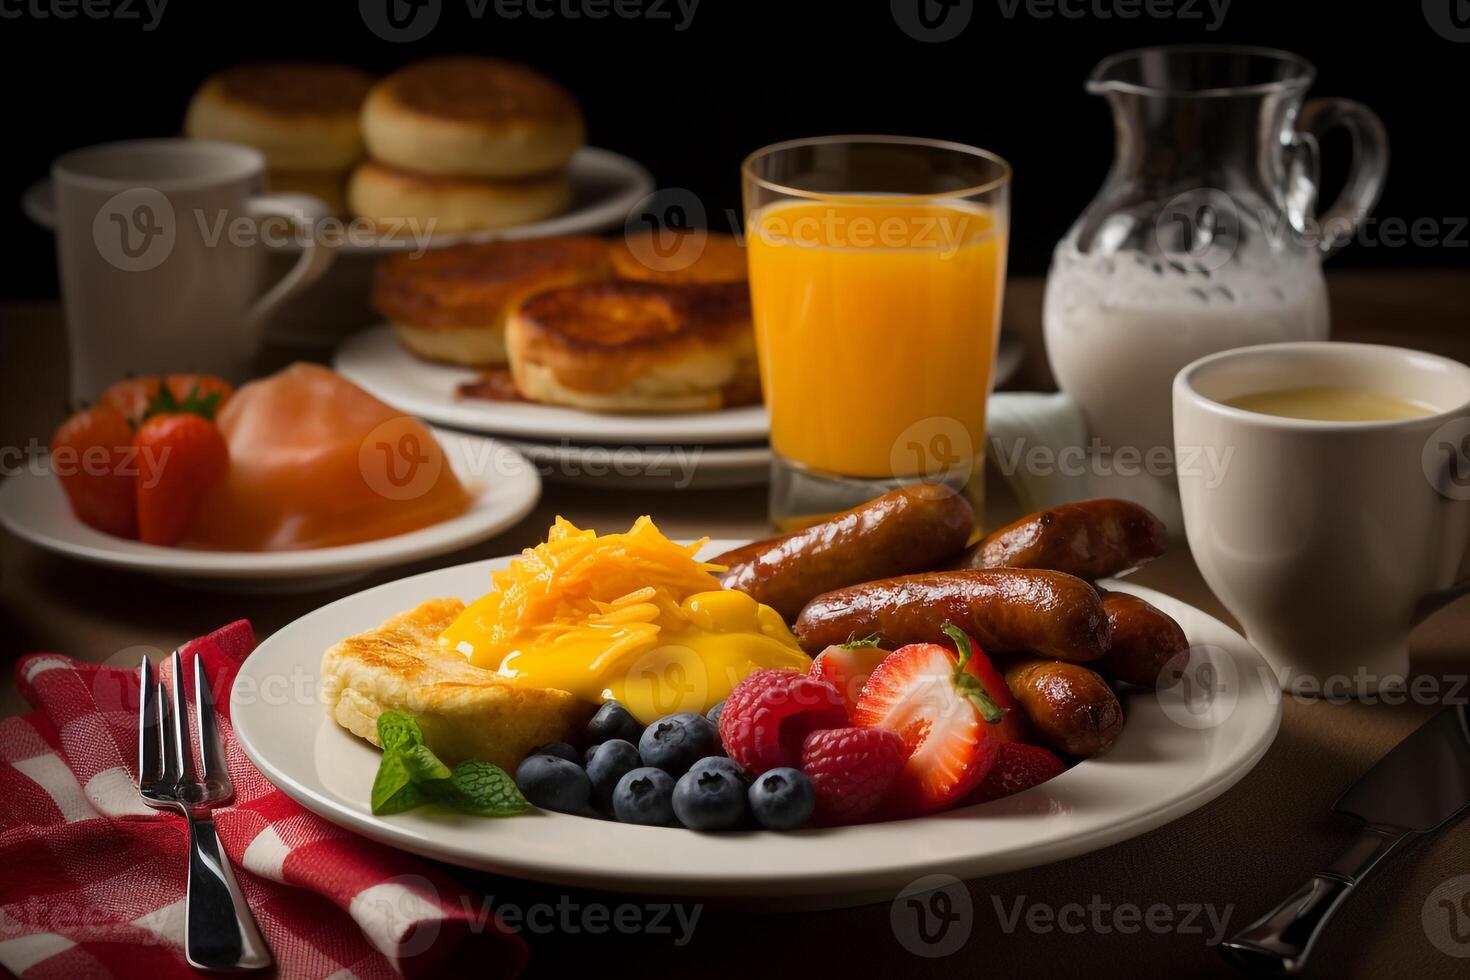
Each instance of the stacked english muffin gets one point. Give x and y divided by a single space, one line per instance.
463 144
302 116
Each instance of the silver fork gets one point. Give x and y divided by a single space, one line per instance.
219 931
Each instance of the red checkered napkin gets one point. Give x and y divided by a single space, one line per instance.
92 881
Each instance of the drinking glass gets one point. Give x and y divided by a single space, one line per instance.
877 266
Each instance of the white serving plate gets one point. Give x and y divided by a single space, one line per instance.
648 467
1175 755
504 485
377 363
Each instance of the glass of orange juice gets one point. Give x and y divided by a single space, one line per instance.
877 265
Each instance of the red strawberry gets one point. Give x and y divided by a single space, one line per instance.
92 456
847 667
770 713
1017 766
851 770
184 457
1012 727
928 696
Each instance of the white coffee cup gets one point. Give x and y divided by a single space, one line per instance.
1328 541
162 247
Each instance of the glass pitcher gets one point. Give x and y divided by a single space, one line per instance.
1204 235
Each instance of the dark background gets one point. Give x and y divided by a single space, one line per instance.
690 104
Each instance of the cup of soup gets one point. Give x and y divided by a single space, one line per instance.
1335 509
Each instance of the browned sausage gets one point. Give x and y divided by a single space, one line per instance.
1146 647
907 530
1006 610
1091 539
1072 707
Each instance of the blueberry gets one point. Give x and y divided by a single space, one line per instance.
721 762
553 783
613 721
615 758
559 749
713 714
676 742
781 799
710 797
591 751
645 796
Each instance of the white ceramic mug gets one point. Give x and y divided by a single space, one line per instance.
162 247
1328 541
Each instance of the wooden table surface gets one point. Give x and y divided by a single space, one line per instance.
1231 859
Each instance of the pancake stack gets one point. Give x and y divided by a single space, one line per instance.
640 325
464 144
302 116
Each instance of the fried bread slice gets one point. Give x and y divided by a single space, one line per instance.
466 712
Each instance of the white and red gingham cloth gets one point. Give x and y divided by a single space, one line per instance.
92 882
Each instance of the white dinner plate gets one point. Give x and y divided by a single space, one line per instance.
503 483
649 467
376 362
1179 750
605 187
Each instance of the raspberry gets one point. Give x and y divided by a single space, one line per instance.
769 713
1017 766
851 770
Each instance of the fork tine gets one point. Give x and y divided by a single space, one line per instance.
211 748
179 741
150 760
168 776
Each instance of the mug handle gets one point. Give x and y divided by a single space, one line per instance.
304 211
1366 172
1449 490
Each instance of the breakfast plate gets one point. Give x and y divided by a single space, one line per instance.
375 361
673 467
503 483
1180 749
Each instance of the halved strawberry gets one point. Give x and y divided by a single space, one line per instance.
1013 727
847 667
925 694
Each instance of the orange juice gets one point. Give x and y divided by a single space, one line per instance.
877 324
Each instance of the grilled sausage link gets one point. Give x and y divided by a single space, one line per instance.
1146 646
1006 610
1090 539
1071 706
907 530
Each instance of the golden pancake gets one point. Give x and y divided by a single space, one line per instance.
404 204
465 712
671 256
471 117
302 116
451 304
636 347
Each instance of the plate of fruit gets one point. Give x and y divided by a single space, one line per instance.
828 715
291 481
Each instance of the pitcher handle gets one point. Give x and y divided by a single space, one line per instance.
306 213
1369 165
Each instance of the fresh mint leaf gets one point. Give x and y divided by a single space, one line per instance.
393 787
483 789
423 765
398 731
